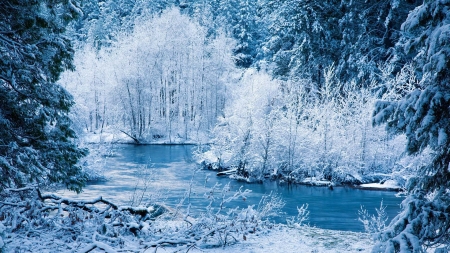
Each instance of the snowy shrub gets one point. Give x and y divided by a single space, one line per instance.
421 224
270 205
373 223
301 218
41 222
94 164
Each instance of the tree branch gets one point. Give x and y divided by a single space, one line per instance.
132 137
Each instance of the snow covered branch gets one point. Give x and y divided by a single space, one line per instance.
39 221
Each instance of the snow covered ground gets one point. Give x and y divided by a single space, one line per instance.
303 239
278 239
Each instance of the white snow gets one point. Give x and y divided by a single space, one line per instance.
107 230
315 181
303 239
442 137
110 135
388 184
280 238
106 137
226 172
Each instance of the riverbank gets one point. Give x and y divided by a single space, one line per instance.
373 183
166 174
279 239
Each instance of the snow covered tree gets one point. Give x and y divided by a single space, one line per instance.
305 37
36 139
163 80
301 36
241 20
424 116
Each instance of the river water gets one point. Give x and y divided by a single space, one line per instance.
142 174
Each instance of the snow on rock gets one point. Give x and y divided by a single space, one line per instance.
212 160
315 181
227 172
388 185
208 157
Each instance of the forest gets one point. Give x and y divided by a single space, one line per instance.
348 92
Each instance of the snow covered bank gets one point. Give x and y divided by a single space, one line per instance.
390 185
316 182
279 239
371 182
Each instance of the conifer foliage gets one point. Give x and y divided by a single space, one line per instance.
424 116
36 139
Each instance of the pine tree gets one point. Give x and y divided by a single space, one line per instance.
36 139
424 116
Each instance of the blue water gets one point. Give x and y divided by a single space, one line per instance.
167 173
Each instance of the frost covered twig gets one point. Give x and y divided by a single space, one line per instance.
373 224
302 217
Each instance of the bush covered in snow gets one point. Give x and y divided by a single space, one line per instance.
38 222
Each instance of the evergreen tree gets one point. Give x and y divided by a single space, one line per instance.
424 116
242 21
354 36
302 35
36 139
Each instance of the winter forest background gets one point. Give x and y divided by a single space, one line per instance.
275 87
346 91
